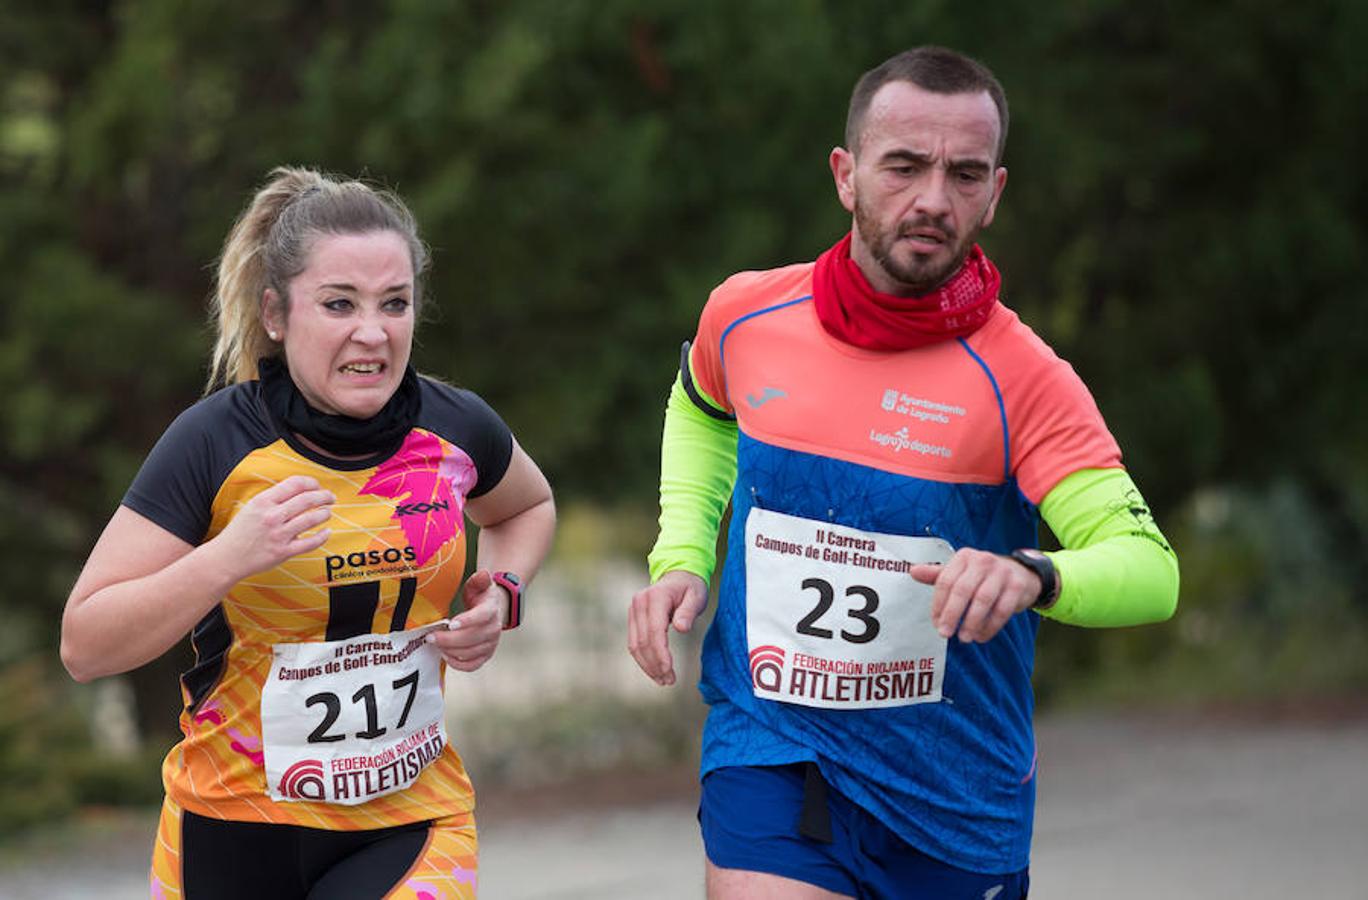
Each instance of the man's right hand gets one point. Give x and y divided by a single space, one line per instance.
675 600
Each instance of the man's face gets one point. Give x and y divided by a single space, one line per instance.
921 185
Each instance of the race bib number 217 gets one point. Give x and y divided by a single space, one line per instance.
347 721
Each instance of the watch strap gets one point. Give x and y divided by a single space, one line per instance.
1044 568
511 583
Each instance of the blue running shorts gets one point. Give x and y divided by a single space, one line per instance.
763 818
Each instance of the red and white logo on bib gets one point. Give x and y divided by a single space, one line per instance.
303 780
767 668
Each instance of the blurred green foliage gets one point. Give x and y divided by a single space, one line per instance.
48 764
38 744
1182 222
1266 614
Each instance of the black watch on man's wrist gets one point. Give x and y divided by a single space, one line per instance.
1040 564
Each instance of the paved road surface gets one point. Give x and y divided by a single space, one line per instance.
1128 809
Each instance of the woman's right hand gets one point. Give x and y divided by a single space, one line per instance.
274 525
143 588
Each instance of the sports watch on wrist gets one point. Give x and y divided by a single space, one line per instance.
511 583
1040 564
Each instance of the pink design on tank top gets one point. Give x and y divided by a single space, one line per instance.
430 479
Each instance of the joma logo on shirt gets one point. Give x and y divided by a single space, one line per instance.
420 509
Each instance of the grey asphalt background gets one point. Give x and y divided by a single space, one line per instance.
1249 806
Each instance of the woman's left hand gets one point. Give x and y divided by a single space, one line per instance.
471 638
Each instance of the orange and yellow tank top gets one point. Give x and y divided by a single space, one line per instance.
392 564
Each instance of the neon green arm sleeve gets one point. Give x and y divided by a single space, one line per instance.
697 471
1116 568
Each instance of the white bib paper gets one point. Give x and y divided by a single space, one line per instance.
348 721
834 620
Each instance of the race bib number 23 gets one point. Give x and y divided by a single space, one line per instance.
834 620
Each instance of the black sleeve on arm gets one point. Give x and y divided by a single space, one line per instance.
176 486
462 417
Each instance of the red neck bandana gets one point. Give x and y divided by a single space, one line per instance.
852 311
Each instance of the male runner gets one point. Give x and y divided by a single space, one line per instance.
889 435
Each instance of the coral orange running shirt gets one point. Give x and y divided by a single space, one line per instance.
999 404
852 466
313 699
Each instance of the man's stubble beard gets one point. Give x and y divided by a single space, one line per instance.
917 278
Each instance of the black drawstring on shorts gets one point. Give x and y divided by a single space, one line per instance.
815 820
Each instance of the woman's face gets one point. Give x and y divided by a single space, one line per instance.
348 330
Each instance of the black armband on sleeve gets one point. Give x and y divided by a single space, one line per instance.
686 378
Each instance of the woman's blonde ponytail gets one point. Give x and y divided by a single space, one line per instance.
242 280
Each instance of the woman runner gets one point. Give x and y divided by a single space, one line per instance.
305 522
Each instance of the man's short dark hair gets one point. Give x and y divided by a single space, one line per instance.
935 69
